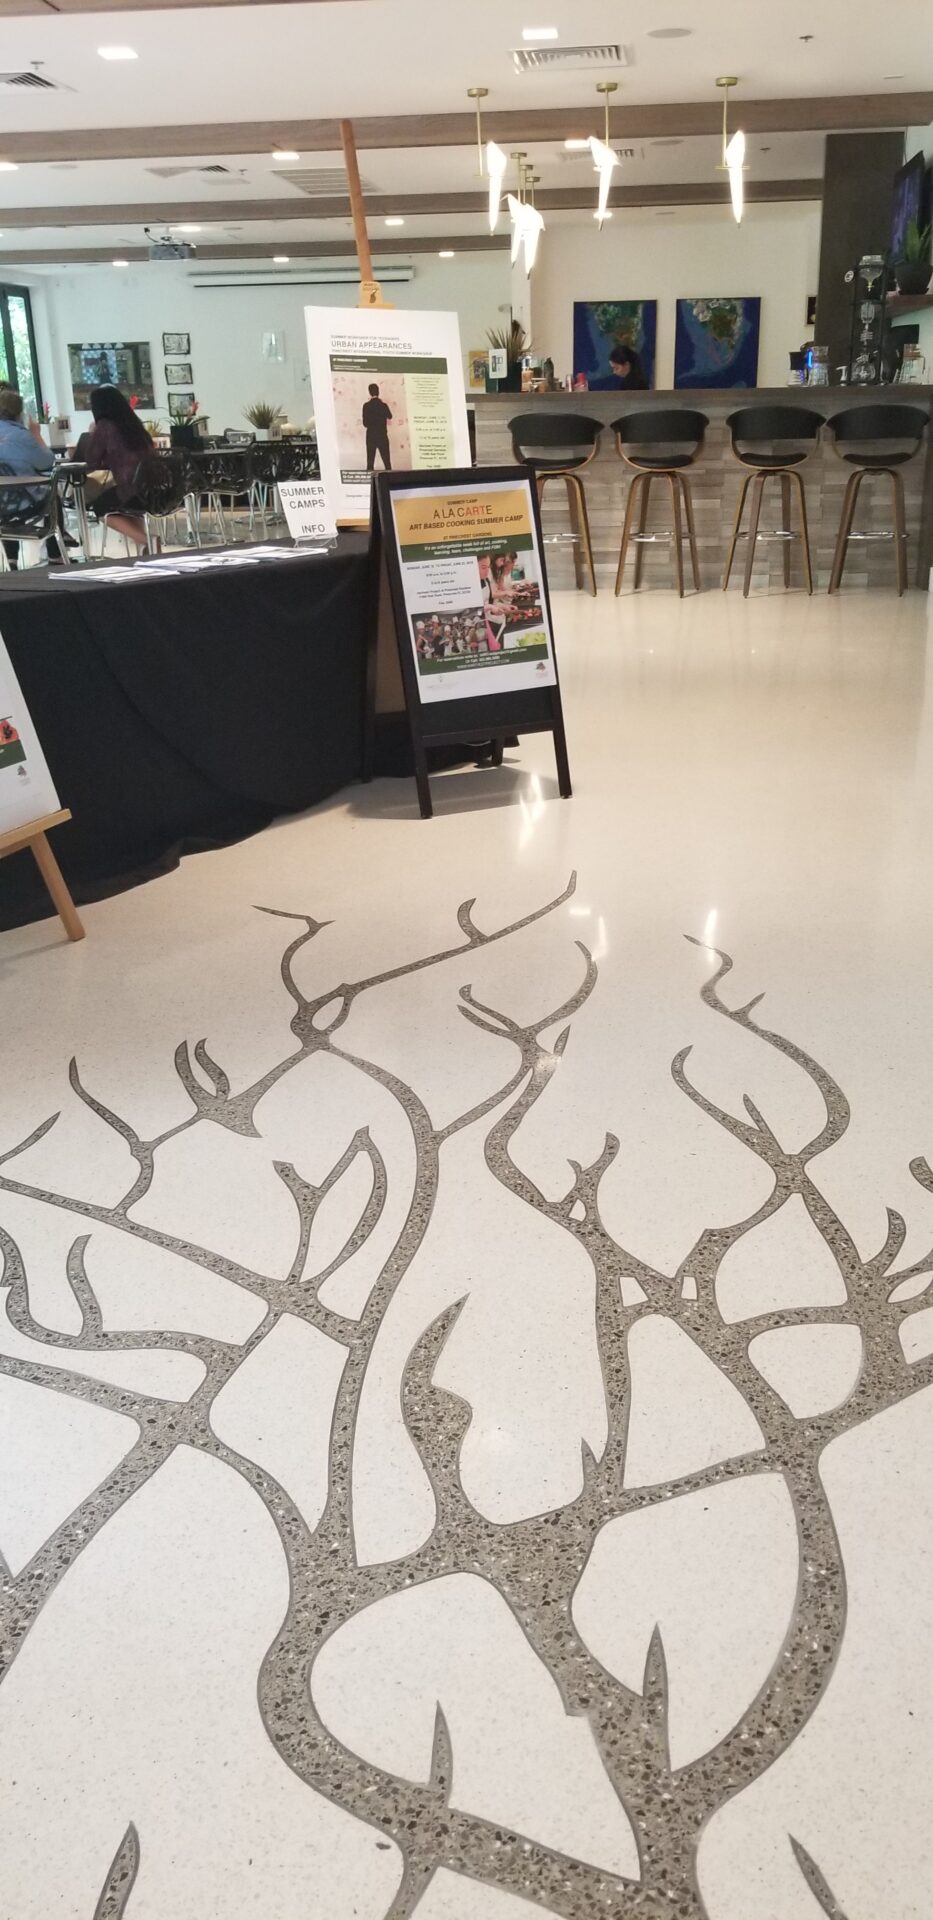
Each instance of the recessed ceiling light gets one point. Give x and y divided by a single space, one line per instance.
446 253
540 33
118 53
9 166
119 263
280 259
394 220
185 226
286 154
577 146
669 33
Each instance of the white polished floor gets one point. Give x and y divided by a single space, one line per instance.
391 1519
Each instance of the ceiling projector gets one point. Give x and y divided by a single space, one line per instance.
163 246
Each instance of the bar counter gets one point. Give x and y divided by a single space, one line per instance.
715 480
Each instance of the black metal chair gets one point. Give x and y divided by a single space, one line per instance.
556 446
659 444
221 474
883 437
270 462
25 518
161 485
772 442
306 460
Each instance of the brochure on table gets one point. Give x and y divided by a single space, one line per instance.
27 791
472 582
388 395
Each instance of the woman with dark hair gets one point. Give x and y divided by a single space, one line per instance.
627 367
117 443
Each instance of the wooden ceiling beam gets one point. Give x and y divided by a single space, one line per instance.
163 213
299 250
18 9
521 126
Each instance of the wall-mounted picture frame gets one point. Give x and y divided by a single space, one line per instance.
716 341
176 343
602 327
178 373
180 397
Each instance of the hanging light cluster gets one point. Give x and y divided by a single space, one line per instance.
733 151
527 222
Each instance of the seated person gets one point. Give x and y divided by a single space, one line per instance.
22 450
117 443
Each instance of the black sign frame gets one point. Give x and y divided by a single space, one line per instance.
482 718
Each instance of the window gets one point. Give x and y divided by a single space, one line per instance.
18 365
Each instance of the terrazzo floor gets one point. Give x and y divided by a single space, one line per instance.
466 1368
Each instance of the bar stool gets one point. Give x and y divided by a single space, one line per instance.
753 430
870 425
555 446
659 428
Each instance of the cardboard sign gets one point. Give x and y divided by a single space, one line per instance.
306 509
498 363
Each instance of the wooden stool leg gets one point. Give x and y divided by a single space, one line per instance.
627 529
804 531
573 504
691 529
740 509
646 479
758 488
785 523
845 528
900 530
678 534
52 875
583 522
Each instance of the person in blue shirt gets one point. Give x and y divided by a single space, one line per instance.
22 450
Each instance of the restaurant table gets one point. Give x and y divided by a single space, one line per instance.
185 711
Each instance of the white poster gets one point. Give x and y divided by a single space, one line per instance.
388 395
26 789
473 586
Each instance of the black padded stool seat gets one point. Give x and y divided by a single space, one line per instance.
659 442
772 442
862 428
554 445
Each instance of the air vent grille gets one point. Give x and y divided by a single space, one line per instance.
38 81
319 183
595 59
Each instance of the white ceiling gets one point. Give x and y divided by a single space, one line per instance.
412 56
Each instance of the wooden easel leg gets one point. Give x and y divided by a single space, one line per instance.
61 899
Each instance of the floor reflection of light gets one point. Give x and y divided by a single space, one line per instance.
580 913
601 948
709 930
531 811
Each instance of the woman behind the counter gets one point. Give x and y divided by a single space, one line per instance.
626 366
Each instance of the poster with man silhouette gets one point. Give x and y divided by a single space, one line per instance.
388 397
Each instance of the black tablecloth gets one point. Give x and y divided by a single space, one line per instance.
185 712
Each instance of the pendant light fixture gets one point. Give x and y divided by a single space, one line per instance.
527 222
605 159
495 160
733 151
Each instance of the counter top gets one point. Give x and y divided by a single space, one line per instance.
727 398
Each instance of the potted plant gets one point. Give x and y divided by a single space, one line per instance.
186 427
264 418
912 271
516 343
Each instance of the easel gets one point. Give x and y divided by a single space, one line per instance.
34 836
370 290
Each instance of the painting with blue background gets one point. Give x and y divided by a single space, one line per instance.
600 325
716 342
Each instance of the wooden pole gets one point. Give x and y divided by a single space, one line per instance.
370 290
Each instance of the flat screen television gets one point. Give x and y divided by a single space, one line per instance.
909 202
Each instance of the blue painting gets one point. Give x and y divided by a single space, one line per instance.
716 343
601 325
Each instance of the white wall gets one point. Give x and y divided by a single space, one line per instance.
696 251
226 326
